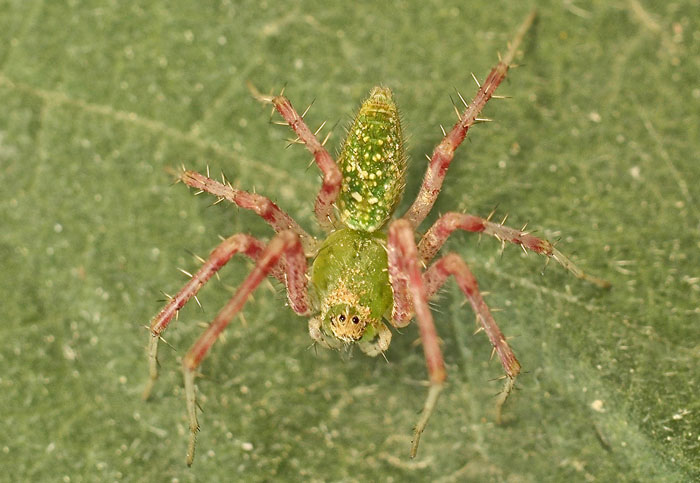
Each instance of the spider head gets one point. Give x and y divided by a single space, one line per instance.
343 325
346 323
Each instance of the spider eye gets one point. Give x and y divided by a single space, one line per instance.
341 317
356 320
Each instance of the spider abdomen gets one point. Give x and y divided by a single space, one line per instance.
373 164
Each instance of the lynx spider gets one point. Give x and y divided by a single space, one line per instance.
369 269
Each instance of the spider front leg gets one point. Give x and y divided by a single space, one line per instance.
436 236
435 277
245 244
411 293
285 244
409 287
332 178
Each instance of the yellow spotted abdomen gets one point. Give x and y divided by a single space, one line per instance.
373 164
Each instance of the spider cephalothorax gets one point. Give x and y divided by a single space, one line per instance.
368 272
350 283
345 324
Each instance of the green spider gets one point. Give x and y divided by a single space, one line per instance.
368 271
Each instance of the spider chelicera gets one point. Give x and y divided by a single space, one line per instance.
369 271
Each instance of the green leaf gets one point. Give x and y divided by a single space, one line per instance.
597 148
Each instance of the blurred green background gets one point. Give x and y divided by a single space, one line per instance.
598 147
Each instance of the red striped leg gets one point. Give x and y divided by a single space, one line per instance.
435 277
332 177
285 244
444 152
436 236
405 275
245 244
262 206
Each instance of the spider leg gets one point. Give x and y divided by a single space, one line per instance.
436 236
435 277
245 244
405 276
444 152
332 177
285 244
262 206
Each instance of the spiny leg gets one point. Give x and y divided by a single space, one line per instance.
240 243
436 236
405 274
435 277
444 152
285 244
332 177
262 206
